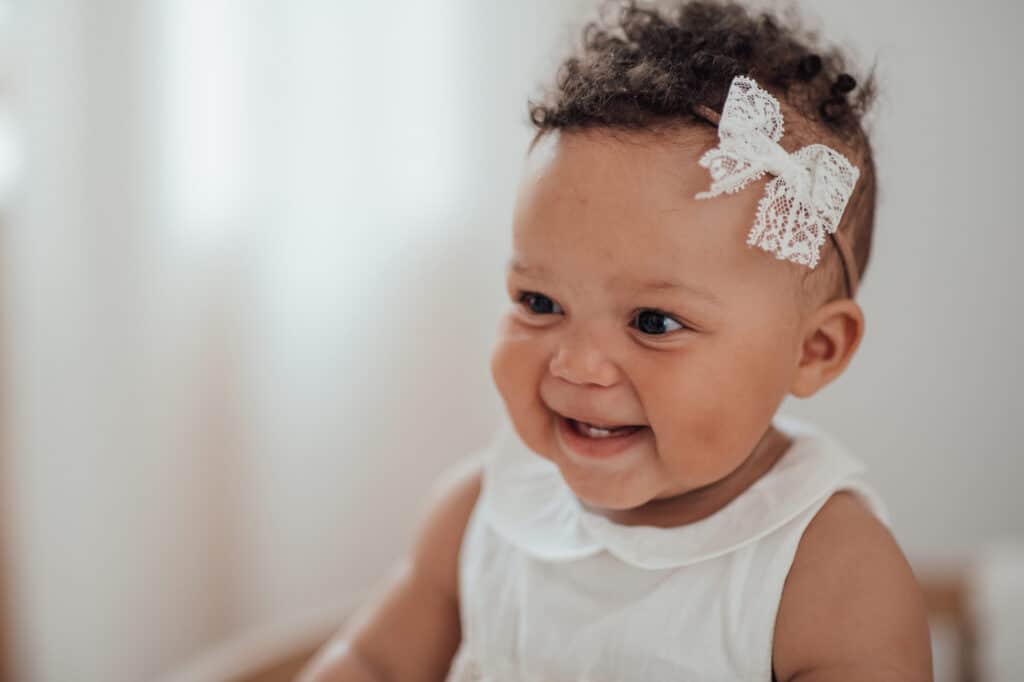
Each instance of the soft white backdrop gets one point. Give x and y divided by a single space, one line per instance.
253 271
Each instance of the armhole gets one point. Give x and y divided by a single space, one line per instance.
867 495
784 558
471 467
441 534
871 501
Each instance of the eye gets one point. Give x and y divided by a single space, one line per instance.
654 322
538 304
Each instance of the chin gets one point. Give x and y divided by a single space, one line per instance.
607 494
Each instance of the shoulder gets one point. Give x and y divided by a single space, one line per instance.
851 607
411 629
439 536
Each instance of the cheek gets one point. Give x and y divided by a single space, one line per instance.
517 366
691 421
710 409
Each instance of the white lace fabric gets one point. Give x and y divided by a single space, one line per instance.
812 186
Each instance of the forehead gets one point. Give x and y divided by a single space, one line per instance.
622 206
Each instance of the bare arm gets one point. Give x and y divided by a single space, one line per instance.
851 608
412 631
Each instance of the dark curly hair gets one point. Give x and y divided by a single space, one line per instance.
650 67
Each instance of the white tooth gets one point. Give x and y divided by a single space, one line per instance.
595 432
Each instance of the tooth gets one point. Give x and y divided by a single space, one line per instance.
594 431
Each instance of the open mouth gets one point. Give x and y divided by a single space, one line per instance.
592 431
593 442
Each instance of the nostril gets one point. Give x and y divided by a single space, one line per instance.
583 368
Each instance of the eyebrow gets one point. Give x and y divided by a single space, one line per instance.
652 285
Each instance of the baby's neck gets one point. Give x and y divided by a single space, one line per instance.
702 502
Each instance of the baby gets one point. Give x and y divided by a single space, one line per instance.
694 217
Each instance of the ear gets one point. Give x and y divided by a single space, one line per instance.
830 337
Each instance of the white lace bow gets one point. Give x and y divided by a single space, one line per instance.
806 199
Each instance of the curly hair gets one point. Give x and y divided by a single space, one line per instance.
650 67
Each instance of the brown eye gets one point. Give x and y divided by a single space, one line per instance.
538 304
656 323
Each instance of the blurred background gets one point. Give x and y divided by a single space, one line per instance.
251 272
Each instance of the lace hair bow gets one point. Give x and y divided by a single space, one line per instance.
809 193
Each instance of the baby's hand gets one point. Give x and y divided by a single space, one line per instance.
412 631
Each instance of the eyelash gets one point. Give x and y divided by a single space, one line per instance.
522 296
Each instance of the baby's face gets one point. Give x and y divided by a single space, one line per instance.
702 365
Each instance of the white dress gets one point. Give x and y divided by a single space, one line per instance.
550 592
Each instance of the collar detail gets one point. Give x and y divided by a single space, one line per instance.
526 501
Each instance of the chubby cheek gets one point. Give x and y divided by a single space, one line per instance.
517 366
710 415
689 421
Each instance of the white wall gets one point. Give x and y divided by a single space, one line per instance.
930 400
255 272
226 274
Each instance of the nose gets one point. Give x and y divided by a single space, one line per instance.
578 359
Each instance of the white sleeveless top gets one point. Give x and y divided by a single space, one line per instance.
551 592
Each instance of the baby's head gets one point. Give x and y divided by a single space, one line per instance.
633 302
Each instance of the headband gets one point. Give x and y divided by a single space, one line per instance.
806 199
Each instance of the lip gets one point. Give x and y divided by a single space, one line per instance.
586 420
597 448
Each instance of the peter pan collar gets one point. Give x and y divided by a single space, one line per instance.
525 499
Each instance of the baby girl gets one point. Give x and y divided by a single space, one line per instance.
695 215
